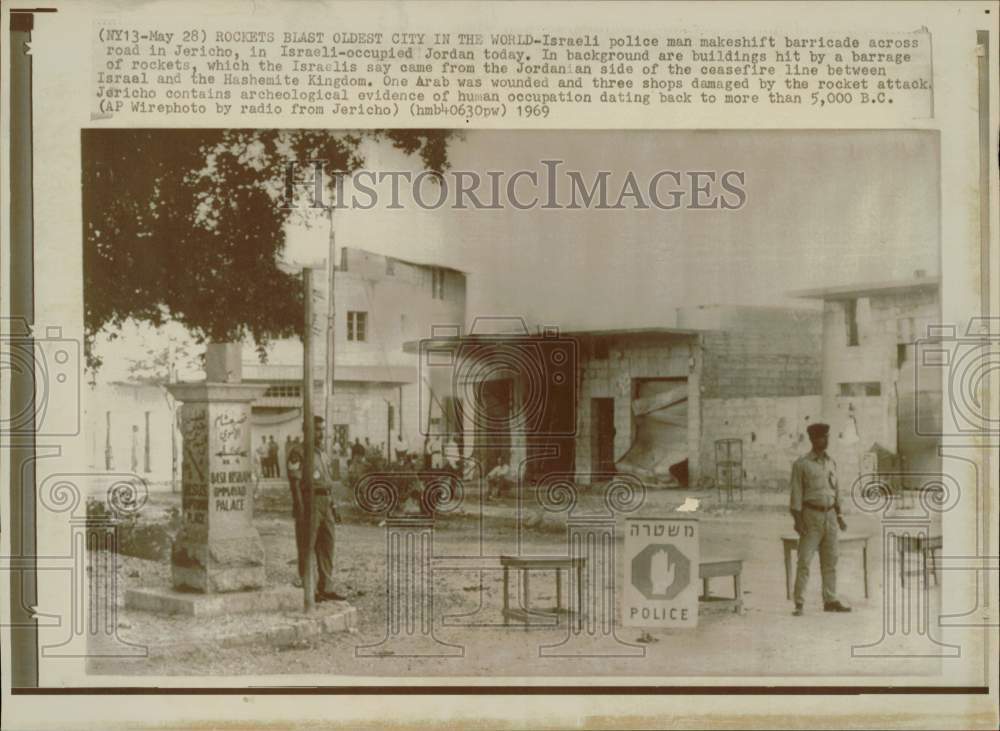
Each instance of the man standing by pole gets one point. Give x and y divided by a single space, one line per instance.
815 508
318 512
324 517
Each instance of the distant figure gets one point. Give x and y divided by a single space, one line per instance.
272 457
437 453
401 448
357 450
498 480
135 448
453 456
261 457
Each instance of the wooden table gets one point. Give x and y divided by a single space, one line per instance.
527 564
712 568
790 543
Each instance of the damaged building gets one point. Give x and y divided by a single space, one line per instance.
874 387
650 401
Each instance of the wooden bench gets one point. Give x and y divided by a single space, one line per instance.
716 567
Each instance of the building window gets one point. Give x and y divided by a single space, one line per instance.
390 266
900 354
851 319
437 283
343 258
864 388
357 326
286 390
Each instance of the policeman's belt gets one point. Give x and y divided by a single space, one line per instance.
321 491
820 508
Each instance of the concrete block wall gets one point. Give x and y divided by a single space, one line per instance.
773 430
758 351
856 424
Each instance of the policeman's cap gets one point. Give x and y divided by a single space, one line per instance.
818 430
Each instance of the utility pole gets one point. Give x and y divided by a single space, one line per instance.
331 323
308 586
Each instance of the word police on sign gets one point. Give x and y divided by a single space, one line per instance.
661 572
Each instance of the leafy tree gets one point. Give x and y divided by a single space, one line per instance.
188 225
162 365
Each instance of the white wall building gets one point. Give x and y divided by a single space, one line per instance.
379 304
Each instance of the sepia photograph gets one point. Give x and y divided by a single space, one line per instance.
418 364
495 404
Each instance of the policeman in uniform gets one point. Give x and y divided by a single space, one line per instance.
324 516
815 507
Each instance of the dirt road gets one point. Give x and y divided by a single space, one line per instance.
765 640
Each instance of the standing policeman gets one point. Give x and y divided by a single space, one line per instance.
815 507
324 517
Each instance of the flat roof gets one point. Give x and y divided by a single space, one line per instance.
362 373
412 346
682 331
404 260
850 291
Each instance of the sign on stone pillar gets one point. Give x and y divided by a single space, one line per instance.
218 549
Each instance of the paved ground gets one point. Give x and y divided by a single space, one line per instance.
764 641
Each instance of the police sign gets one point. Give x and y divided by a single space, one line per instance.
661 572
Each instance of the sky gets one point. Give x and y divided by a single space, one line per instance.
823 208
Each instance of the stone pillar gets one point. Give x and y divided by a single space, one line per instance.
218 549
